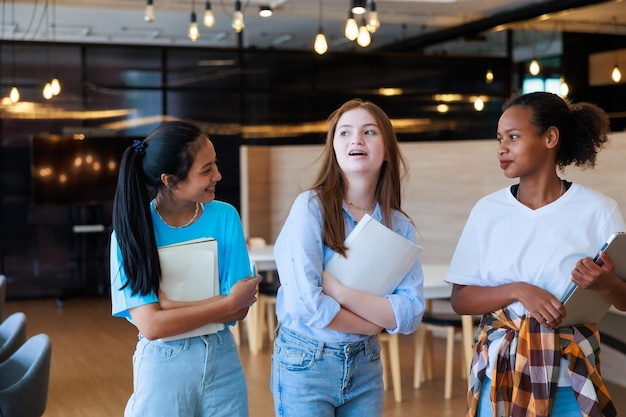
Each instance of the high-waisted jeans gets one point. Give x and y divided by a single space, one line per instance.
313 379
194 377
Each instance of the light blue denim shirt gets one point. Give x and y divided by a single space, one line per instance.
300 258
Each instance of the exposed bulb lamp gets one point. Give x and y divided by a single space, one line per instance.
373 23
364 38
47 91
265 11
358 7
616 74
149 13
534 67
479 104
209 18
320 46
489 76
238 23
14 95
193 32
55 86
351 30
563 88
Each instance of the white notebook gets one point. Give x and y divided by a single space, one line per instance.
189 273
377 258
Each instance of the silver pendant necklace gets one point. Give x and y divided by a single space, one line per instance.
193 218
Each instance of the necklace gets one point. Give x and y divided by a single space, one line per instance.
195 215
361 208
560 192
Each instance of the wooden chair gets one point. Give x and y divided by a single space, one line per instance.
452 324
390 353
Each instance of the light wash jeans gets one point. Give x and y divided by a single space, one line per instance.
313 379
195 377
563 405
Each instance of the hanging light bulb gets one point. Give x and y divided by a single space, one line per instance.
238 22
320 46
149 13
209 18
47 91
489 76
352 28
14 95
55 86
616 74
534 67
563 88
193 32
364 38
358 7
479 104
373 23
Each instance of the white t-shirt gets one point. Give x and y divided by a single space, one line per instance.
504 241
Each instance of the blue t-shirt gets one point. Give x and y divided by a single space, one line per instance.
218 220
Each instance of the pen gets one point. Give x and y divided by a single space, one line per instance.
254 270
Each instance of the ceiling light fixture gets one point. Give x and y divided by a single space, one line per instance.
320 45
238 23
489 76
351 30
265 11
563 88
373 22
358 6
193 32
616 74
14 94
55 84
364 38
209 18
148 15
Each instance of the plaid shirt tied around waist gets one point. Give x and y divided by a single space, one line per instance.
526 374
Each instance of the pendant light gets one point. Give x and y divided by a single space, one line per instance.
238 23
14 93
55 84
358 7
148 15
351 30
373 23
265 11
364 38
209 18
616 74
489 76
534 67
193 32
321 45
563 88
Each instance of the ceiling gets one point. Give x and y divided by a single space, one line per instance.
434 26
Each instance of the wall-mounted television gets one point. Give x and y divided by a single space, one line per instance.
77 169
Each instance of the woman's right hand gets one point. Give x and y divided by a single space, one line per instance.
243 293
542 305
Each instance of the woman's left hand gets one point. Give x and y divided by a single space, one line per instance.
331 286
589 274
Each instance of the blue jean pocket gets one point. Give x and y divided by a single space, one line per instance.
293 354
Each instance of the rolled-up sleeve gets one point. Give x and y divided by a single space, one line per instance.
299 254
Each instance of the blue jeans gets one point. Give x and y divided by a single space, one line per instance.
563 405
313 379
197 376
